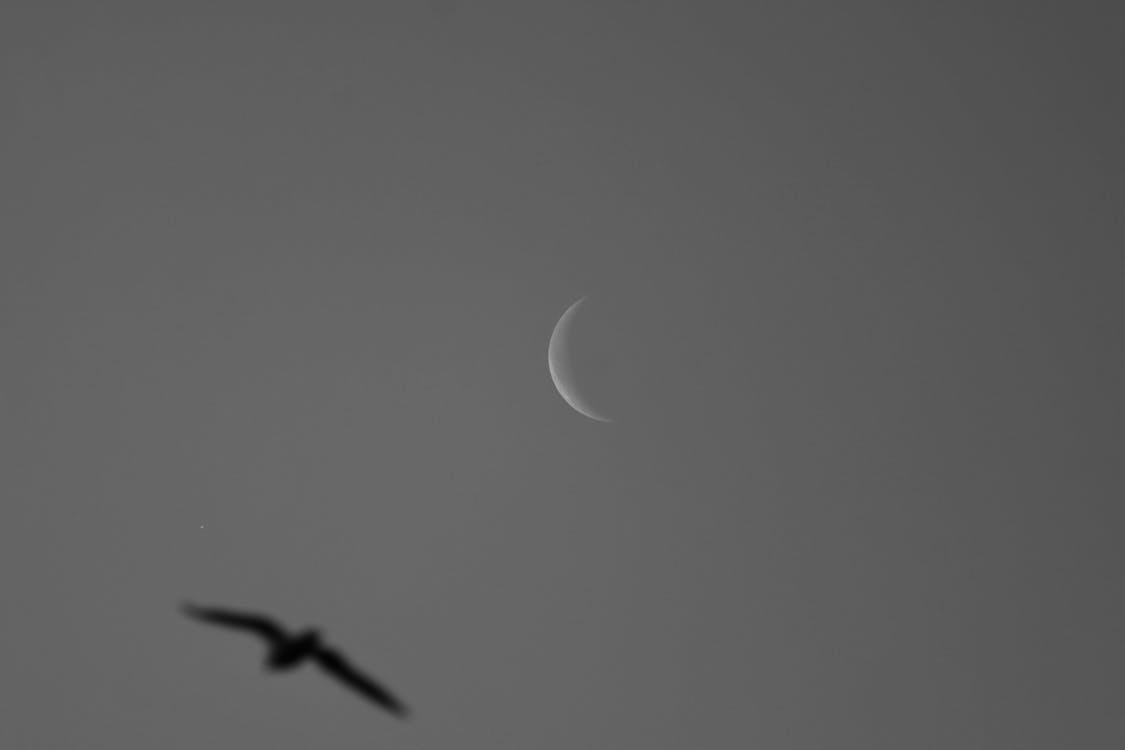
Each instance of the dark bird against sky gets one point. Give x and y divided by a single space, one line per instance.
289 651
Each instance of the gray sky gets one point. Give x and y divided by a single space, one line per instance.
276 287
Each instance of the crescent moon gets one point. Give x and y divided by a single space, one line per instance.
559 365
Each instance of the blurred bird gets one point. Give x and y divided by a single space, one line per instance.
288 651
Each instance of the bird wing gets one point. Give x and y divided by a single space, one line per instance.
258 624
336 665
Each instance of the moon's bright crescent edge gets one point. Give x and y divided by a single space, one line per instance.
560 369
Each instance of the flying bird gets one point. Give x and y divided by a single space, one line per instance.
288 651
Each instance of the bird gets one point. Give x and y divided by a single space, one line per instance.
287 651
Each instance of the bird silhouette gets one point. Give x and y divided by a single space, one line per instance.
288 651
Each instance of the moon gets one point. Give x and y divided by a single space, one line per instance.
558 363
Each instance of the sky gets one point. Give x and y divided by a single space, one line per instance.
276 287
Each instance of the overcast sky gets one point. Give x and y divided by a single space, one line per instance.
276 287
